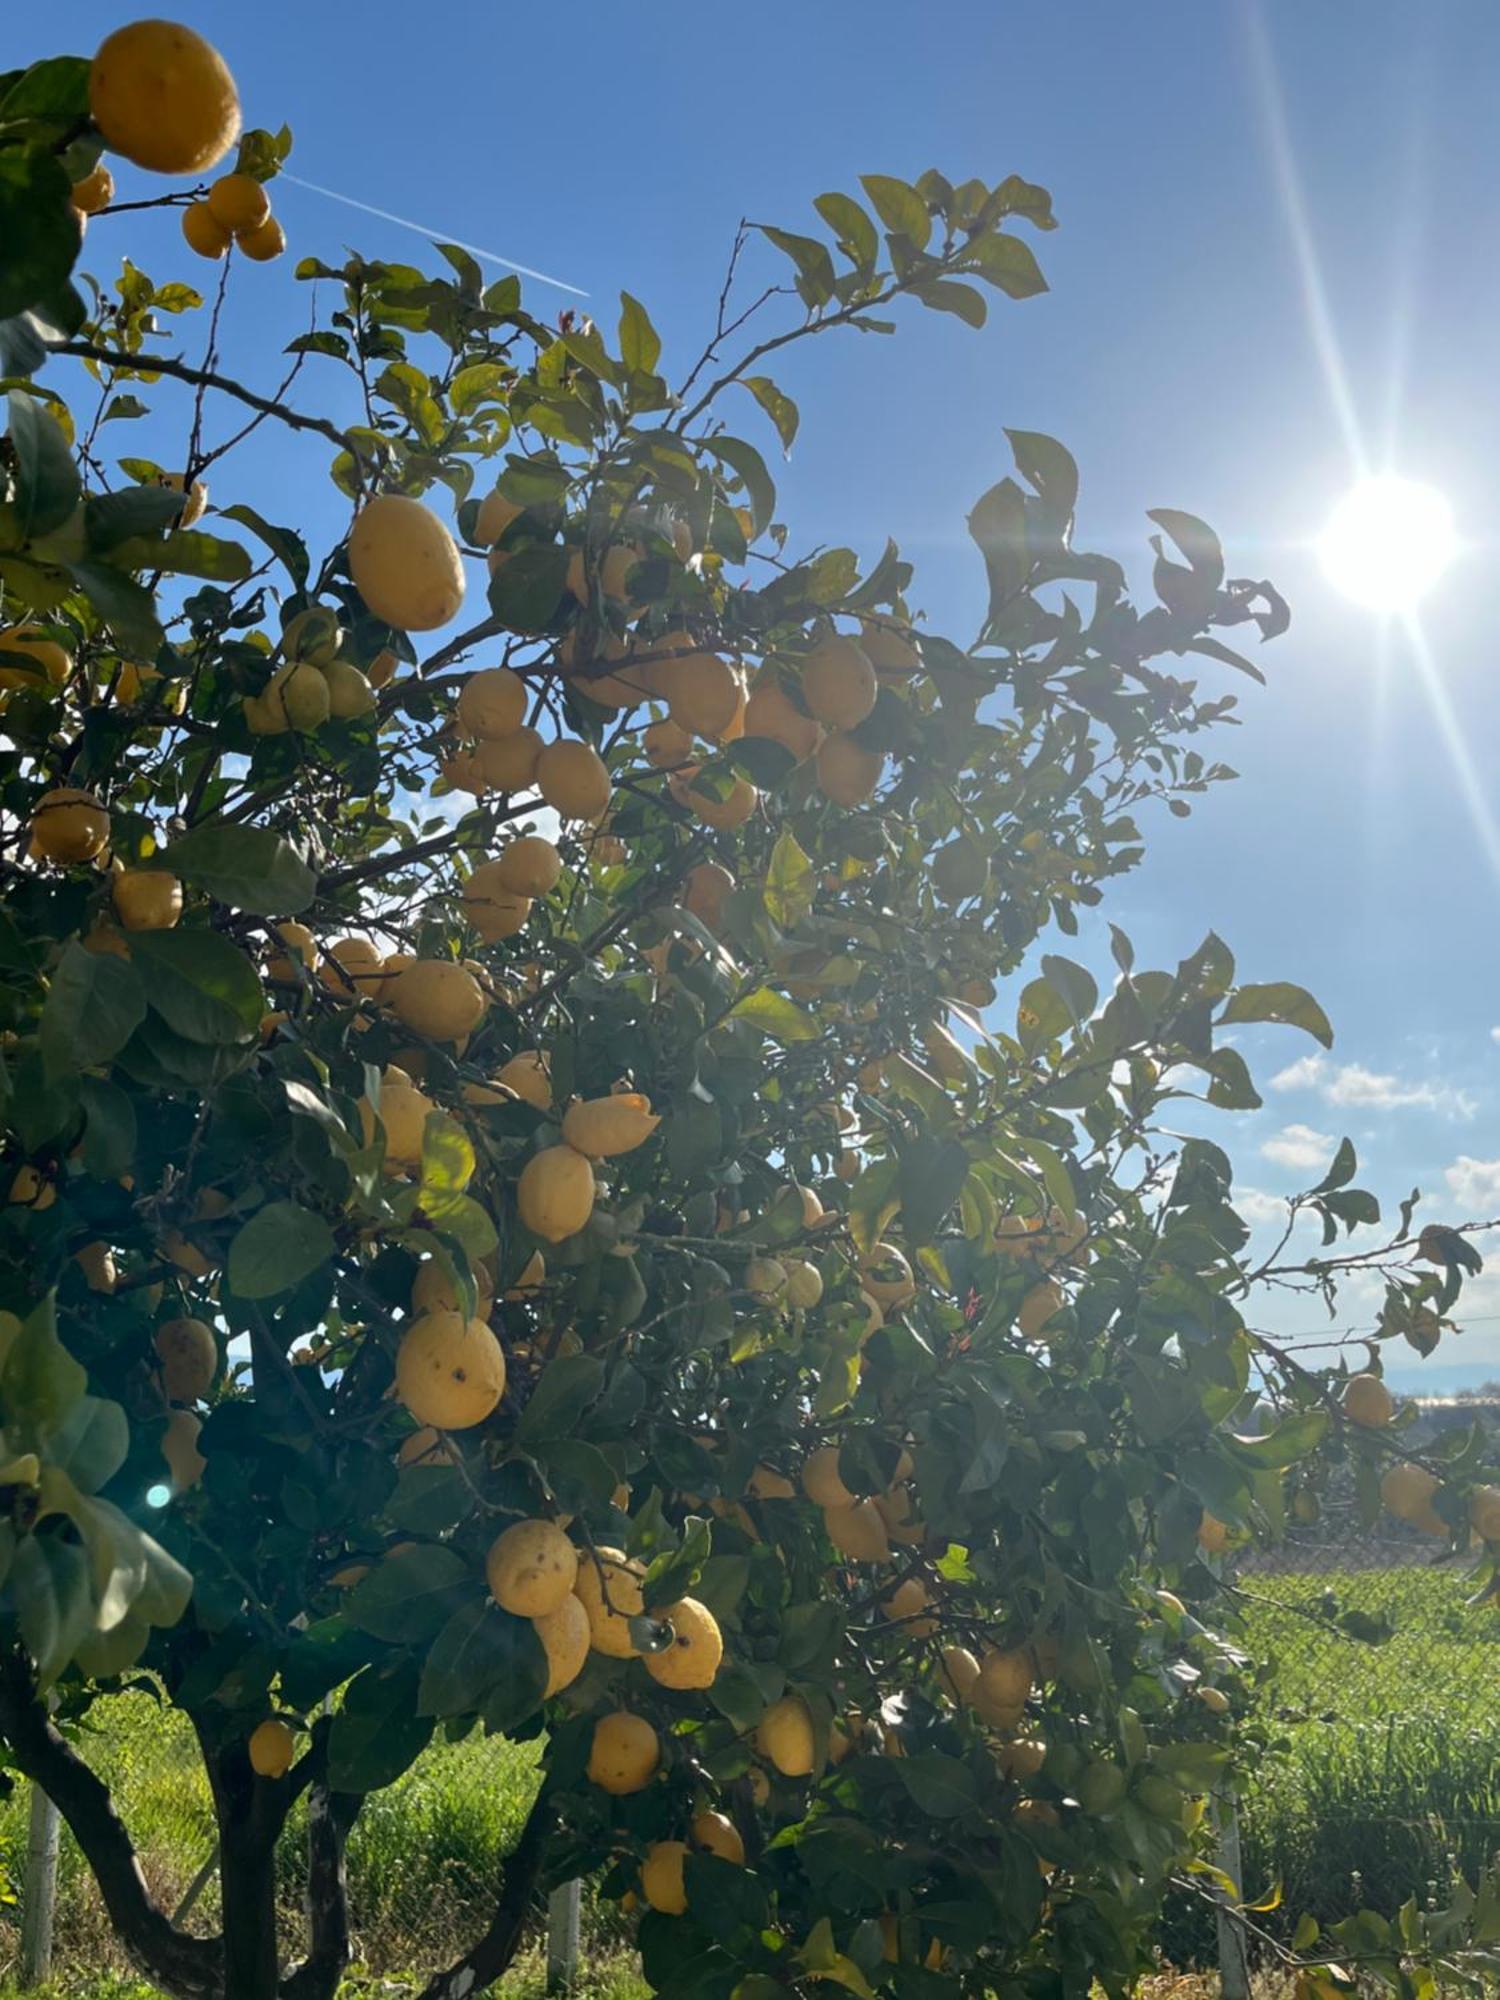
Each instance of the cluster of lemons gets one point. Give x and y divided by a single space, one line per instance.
163 98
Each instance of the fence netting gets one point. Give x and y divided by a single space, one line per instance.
1376 1754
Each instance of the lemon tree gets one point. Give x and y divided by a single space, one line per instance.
557 1177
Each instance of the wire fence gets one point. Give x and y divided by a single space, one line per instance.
1379 1779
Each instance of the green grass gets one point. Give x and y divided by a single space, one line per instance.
1383 1779
1388 1768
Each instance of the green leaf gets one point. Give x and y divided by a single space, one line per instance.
187 552
998 525
1294 1437
276 1249
1049 466
854 229
640 343
527 588
775 1015
941 1787
946 295
1074 986
125 606
899 207
109 1135
91 1443
791 882
1291 1006
932 1175
564 1390
1006 263
94 1005
777 405
673 1573
250 868
408 1598
377 1733
288 547
40 1382
47 487
201 985
56 89
112 518
815 279
41 230
744 460
1345 1165
54 1606
480 1650
872 1198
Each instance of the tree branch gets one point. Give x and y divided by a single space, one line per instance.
486 1960
189 1967
201 378
329 1818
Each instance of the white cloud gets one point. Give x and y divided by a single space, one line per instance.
1495 1034
1351 1084
1256 1206
1475 1184
1299 1146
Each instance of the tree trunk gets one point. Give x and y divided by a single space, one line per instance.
188 1967
329 1818
251 1812
491 1955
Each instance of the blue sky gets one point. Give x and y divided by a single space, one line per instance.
1195 351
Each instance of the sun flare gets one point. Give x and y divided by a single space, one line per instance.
1387 542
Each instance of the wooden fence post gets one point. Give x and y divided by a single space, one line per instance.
562 1936
1234 1961
39 1890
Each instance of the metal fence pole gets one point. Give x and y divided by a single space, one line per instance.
562 1936
1234 1962
39 1892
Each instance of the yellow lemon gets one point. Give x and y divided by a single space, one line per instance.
609 1589
69 825
261 244
1368 1402
1006 1677
202 233
508 763
661 1877
858 1531
692 1659
838 683
784 1736
555 1193
716 1833
492 703
188 1357
55 661
404 1111
495 515
848 773
531 1568
624 1753
906 1604
94 192
164 98
179 1447
771 712
405 564
146 899
1039 1306
528 866
450 1372
573 778
438 998
820 1479
238 201
601 1127
564 1633
272 1747
527 1075
426 1447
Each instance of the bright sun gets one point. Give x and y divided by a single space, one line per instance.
1388 541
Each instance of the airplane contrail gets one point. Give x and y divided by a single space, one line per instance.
437 235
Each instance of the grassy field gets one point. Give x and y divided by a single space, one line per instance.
1384 1778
